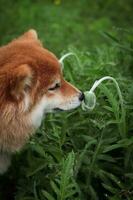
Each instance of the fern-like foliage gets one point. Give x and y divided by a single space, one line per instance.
82 155
64 186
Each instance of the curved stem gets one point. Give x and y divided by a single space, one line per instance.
119 94
108 78
67 55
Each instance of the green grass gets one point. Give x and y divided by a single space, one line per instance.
79 155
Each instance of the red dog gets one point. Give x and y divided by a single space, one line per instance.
31 84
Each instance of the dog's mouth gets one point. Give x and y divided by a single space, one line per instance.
62 110
58 110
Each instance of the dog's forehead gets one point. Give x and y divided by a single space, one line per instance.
35 53
43 62
48 68
42 56
47 64
48 61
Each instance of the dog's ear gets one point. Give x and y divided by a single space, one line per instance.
21 81
31 34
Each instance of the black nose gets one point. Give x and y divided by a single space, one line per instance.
82 96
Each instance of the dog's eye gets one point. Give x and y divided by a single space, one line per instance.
56 86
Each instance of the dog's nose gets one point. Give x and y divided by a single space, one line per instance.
82 96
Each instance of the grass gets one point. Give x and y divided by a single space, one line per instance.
79 155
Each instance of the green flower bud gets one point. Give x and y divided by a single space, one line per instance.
89 101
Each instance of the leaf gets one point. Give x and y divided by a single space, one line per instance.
36 166
108 35
110 189
126 142
70 193
66 175
108 108
93 193
114 179
39 149
81 156
47 195
112 100
55 188
107 158
112 147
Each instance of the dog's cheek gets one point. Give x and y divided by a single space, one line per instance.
38 112
20 81
25 104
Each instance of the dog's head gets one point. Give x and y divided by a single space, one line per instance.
31 79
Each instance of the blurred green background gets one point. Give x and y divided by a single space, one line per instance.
77 155
67 22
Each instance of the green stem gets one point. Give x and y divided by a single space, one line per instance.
67 55
95 157
122 125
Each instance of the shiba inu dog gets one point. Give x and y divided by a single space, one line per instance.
31 85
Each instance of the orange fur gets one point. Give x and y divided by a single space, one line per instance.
27 70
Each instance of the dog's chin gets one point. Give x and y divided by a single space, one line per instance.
58 110
63 110
54 110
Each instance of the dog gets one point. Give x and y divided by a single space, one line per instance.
31 85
